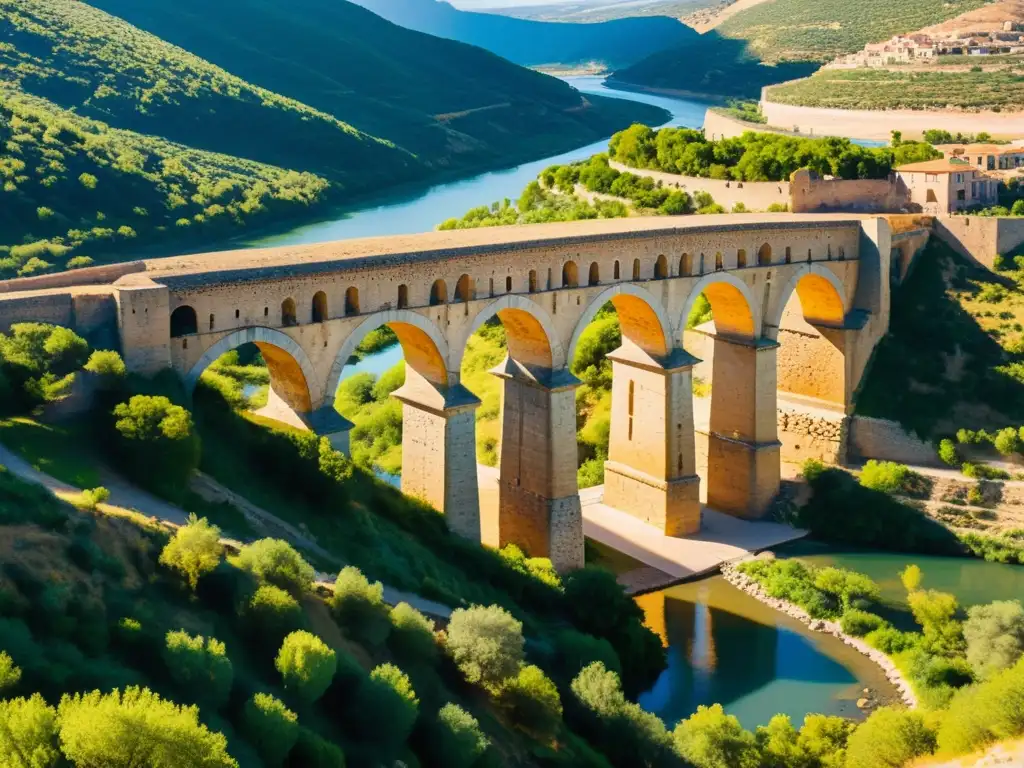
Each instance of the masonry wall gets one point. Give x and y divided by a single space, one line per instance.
106 273
811 434
811 194
886 440
755 195
981 238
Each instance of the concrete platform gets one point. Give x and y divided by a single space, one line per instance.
722 537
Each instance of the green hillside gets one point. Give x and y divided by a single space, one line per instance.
820 30
451 104
74 190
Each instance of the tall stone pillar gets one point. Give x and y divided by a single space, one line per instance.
651 470
439 451
743 450
538 498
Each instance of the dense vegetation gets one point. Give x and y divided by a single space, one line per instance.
820 30
758 156
537 205
454 106
950 310
711 65
896 88
612 43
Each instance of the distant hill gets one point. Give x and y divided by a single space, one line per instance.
711 65
615 43
451 105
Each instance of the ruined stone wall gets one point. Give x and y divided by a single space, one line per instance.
981 238
807 433
811 194
754 195
886 440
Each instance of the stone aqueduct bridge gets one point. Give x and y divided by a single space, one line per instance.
308 307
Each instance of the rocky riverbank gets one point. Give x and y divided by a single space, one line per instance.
743 582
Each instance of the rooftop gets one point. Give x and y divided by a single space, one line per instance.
942 165
980 149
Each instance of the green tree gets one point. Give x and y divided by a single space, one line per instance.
885 476
194 551
10 674
889 738
28 729
270 727
388 705
995 636
200 666
532 702
936 613
313 751
486 644
709 738
412 636
823 740
136 727
276 562
150 431
272 613
911 577
359 606
39 362
307 665
107 364
457 741
985 712
948 453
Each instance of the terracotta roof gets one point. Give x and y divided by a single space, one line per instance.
942 165
980 149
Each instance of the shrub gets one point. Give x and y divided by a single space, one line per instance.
709 738
412 635
272 613
150 431
93 725
28 727
948 453
885 476
486 644
270 727
995 636
312 751
90 497
388 705
107 364
811 468
457 741
532 702
276 562
890 640
200 667
306 664
1007 441
985 712
575 650
10 674
78 262
889 737
360 607
38 362
195 550
859 623
936 613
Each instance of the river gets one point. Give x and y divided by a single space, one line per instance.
723 646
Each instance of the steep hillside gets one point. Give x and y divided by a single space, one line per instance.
711 65
450 104
820 30
615 43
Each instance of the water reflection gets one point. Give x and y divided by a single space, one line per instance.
725 647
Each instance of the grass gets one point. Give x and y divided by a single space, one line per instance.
906 89
56 450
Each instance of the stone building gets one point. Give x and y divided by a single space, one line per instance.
946 185
989 157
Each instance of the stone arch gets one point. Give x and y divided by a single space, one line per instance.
292 375
351 301
320 313
642 317
764 255
719 264
438 293
530 330
616 273
570 276
288 315
595 274
821 297
403 296
741 258
636 269
533 281
423 346
685 265
661 268
732 305
184 321
464 289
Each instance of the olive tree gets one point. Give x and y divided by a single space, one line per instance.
486 643
194 550
307 665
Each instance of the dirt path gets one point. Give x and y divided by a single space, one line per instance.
125 497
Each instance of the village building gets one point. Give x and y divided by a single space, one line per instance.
988 157
947 185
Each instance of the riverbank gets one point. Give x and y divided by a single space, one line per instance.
673 93
754 589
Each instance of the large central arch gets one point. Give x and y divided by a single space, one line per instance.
292 376
642 318
732 305
530 331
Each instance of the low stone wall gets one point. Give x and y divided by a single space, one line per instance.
878 124
755 590
719 126
809 434
888 441
755 195
981 238
101 275
809 193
